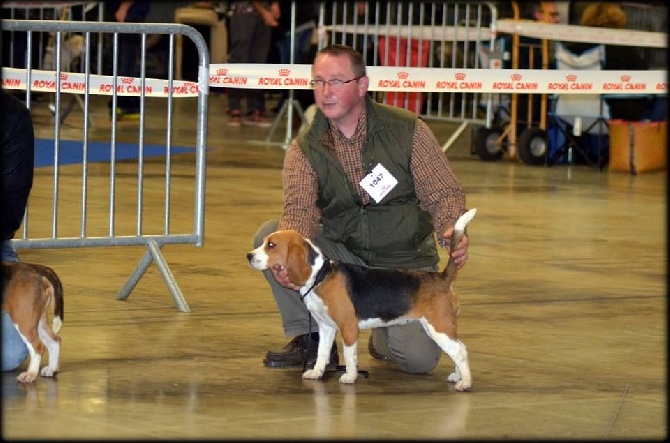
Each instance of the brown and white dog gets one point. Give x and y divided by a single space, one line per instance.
29 291
351 297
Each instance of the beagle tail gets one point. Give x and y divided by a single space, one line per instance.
459 230
59 311
54 282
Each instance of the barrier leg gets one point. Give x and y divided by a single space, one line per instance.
290 105
454 136
168 278
135 277
294 105
284 108
154 254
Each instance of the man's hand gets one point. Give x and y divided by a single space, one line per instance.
280 274
460 255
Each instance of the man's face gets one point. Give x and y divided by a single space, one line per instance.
337 102
549 13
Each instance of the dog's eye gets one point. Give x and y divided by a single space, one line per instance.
271 245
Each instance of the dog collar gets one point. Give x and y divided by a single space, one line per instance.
320 276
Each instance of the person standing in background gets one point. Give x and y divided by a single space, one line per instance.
250 35
128 107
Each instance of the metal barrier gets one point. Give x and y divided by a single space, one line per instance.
418 34
100 223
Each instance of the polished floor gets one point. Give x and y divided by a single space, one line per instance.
563 310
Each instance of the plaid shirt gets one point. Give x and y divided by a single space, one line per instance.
438 190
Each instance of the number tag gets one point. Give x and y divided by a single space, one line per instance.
378 183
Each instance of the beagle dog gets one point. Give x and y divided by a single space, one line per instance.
351 297
29 292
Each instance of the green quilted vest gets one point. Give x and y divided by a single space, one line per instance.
394 233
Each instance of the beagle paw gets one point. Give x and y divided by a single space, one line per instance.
348 379
313 374
27 377
48 372
462 386
454 377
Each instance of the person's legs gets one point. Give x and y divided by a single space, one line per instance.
258 53
241 35
14 350
301 45
409 346
128 50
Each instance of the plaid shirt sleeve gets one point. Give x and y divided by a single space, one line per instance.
300 194
439 191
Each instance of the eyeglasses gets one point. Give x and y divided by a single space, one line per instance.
335 83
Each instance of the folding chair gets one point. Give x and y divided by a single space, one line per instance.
576 116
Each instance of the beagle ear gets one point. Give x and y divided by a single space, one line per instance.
298 268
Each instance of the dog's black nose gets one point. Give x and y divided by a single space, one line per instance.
250 256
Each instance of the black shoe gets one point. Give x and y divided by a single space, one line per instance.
293 354
373 352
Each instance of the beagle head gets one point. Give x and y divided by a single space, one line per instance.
286 249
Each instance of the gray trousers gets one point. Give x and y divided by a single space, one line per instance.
406 345
249 43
